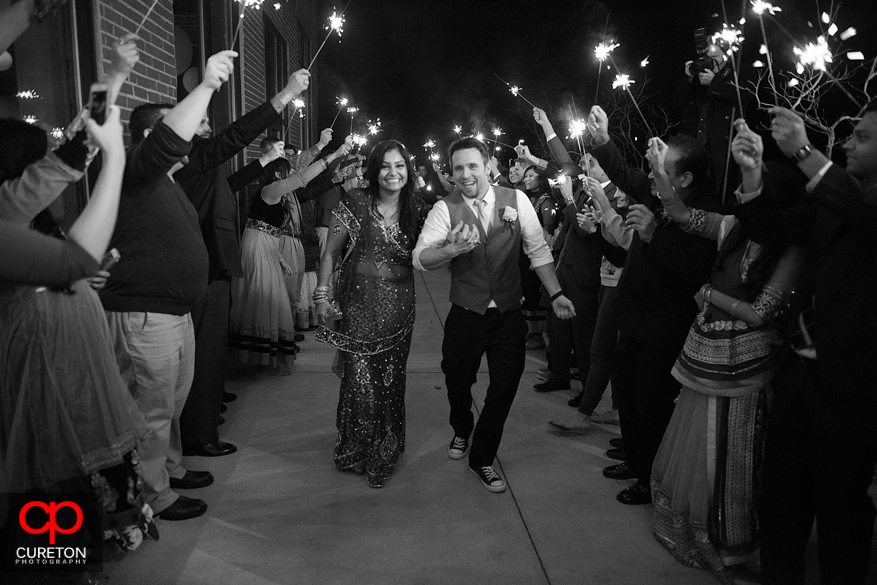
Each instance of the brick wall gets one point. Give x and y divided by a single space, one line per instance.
154 77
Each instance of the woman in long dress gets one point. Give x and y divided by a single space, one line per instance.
375 291
262 323
68 424
705 477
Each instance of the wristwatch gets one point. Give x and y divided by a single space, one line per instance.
802 153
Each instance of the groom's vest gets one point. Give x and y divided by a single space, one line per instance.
490 271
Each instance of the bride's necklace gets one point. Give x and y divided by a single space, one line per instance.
388 211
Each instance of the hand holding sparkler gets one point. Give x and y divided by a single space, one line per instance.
297 83
747 147
656 155
788 130
124 55
598 195
218 69
325 138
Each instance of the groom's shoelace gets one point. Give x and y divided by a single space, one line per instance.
490 475
459 444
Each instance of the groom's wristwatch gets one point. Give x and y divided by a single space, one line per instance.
802 153
554 297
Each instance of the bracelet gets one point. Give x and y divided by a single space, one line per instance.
553 297
734 308
706 293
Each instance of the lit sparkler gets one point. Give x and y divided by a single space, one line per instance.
257 4
759 7
336 24
341 103
602 50
57 133
430 143
645 61
434 157
624 82
729 40
816 56
30 119
374 127
30 94
515 90
352 110
458 129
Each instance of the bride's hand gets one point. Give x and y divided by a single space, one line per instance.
325 312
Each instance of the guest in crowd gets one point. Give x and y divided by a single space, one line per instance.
379 227
151 293
709 464
664 268
262 330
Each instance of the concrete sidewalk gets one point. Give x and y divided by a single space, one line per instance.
280 512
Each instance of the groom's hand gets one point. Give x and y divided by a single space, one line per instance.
563 308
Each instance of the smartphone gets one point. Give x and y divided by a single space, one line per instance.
110 259
97 102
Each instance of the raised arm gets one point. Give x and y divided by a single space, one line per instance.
558 150
630 180
185 117
274 191
94 227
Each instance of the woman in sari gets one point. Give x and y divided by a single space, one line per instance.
378 227
706 475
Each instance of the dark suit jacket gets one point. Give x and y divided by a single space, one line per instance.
836 226
655 301
204 181
582 252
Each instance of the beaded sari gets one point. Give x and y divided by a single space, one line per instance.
706 474
375 291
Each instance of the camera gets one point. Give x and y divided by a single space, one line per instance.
703 61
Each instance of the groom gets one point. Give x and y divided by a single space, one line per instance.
479 229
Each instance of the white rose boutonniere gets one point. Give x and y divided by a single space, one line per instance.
509 215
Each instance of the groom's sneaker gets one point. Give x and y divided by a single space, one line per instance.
490 479
458 448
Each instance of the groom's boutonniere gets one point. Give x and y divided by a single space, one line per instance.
509 215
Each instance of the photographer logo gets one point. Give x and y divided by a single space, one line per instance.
29 519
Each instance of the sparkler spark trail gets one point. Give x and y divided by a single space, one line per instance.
515 90
336 24
622 81
816 56
146 17
257 4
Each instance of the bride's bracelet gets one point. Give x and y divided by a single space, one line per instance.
321 294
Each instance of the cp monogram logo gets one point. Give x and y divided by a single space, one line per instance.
51 525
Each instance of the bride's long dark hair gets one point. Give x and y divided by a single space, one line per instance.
409 202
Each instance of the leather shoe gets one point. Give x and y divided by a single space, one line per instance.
576 400
617 442
551 385
636 495
620 471
216 449
192 480
617 454
222 408
183 509
229 396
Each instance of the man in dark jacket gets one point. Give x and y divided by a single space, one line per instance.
204 182
655 304
821 444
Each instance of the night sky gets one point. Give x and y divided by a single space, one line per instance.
423 66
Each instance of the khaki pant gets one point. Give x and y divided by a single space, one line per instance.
156 356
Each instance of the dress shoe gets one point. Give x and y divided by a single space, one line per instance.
576 400
620 471
617 454
220 421
551 385
610 417
217 449
222 408
183 509
535 342
617 442
636 495
192 480
298 337
579 425
229 397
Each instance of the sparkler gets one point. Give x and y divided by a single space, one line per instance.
458 129
30 119
257 4
336 24
30 94
497 132
430 144
57 133
515 90
352 110
602 51
146 17
624 82
816 56
760 7
299 105
341 103
731 38
374 127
